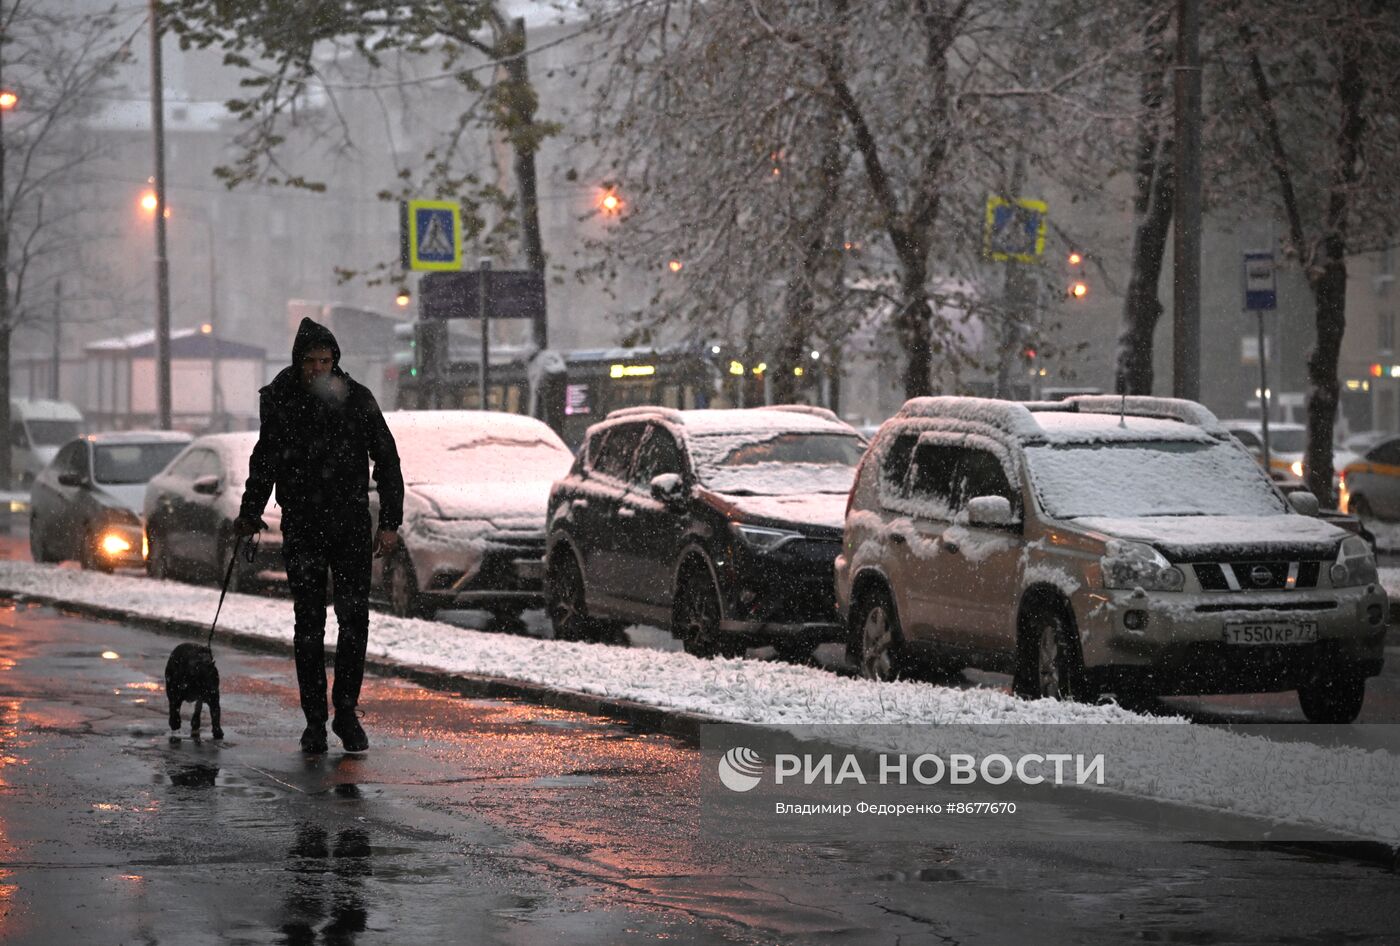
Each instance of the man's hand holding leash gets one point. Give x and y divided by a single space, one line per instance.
385 541
244 526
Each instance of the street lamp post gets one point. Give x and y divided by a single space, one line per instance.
162 262
8 100
149 202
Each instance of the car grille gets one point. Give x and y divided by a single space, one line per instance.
1257 576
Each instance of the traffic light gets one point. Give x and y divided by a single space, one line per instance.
1078 287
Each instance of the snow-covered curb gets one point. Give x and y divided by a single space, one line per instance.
1346 790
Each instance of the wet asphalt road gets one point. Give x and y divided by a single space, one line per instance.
483 821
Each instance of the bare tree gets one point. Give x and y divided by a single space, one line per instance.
1321 84
936 103
56 63
294 57
1154 180
736 175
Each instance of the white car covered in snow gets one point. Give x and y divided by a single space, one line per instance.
476 490
1082 549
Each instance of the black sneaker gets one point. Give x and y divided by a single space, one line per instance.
351 734
313 739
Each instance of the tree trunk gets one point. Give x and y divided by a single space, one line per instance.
797 322
913 323
1142 308
521 104
1155 180
800 302
1330 286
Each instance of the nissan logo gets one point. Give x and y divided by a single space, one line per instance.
1261 575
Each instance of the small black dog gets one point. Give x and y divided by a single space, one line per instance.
190 675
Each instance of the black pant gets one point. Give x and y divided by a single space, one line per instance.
337 542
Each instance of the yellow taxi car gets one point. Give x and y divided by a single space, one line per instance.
1371 484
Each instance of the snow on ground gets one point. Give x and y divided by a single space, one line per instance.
1346 789
1390 581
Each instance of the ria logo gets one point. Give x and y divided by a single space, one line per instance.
739 769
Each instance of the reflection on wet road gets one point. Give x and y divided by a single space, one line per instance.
502 822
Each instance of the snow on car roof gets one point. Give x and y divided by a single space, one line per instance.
472 425
1104 428
233 441
107 437
704 422
1080 420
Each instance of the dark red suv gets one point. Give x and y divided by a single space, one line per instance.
718 525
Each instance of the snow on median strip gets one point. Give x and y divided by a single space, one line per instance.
1348 790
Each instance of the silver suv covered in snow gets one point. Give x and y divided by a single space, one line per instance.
1101 543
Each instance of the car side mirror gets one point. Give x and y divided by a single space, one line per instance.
71 479
989 511
669 488
206 485
1304 503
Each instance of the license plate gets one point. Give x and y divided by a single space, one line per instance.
1271 632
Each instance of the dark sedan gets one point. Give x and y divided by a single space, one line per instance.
86 504
190 508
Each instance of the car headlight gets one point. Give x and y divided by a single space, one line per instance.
114 544
1137 565
763 539
1355 565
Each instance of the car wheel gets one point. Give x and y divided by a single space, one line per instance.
1333 699
405 600
566 601
880 642
697 617
1050 664
158 558
90 557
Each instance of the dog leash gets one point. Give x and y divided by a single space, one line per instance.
250 553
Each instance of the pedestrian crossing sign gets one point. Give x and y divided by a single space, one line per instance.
1015 229
433 234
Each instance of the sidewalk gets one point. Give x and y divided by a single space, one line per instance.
1344 792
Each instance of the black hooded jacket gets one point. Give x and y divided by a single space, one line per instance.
315 444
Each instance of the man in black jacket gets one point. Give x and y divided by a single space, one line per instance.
319 431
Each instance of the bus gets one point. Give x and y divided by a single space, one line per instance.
570 390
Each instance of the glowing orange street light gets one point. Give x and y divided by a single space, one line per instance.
675 266
1075 259
148 204
1079 290
403 299
610 202
8 100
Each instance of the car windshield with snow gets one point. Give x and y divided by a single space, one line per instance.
476 489
1101 544
718 525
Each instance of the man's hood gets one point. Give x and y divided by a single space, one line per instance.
311 334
